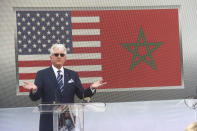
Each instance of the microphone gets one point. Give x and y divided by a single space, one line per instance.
61 74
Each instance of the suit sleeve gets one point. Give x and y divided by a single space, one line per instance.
39 83
80 92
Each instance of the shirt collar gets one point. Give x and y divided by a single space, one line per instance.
55 69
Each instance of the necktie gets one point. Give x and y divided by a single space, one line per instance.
60 81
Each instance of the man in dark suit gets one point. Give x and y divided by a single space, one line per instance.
57 84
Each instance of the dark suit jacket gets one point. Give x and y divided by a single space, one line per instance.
49 92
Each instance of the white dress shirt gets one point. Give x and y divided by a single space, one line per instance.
55 71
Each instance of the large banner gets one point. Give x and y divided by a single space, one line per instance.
130 49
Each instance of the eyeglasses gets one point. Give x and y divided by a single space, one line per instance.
56 55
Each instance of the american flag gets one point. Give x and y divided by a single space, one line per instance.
38 30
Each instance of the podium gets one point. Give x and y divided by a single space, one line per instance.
70 116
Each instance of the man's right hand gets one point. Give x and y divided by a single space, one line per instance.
30 86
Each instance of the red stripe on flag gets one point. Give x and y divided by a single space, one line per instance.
26 76
87 50
22 89
90 74
85 86
67 63
34 63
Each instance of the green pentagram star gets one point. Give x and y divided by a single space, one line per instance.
134 63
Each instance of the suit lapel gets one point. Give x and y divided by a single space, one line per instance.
52 75
66 78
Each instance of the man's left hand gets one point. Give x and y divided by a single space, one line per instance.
97 84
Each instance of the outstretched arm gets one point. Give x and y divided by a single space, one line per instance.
35 89
97 84
30 86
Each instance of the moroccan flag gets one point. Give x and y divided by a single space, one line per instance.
140 48
126 48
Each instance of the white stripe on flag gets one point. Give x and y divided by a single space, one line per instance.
93 19
85 31
83 56
75 68
89 79
86 44
84 80
68 57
